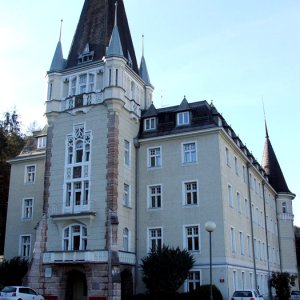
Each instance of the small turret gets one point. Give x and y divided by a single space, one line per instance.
115 47
58 61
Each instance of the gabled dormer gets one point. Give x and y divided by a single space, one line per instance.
183 114
150 119
86 56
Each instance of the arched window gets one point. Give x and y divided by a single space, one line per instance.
125 239
75 238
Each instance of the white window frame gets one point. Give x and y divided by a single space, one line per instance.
249 245
126 195
234 280
68 240
236 166
126 235
29 174
25 246
189 156
191 192
233 240
241 236
41 142
183 118
284 207
230 195
227 156
196 238
27 210
157 157
238 199
157 238
157 196
193 280
126 153
149 124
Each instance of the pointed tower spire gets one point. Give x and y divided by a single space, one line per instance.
143 67
272 167
115 46
95 27
58 62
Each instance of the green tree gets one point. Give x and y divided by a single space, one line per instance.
281 282
11 143
12 271
165 270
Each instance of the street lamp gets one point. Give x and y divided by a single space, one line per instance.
210 227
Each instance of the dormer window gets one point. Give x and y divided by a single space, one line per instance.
183 118
41 142
86 55
150 124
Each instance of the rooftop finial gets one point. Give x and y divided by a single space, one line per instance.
142 45
116 11
266 128
61 21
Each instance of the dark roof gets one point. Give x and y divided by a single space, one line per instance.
184 105
200 117
272 168
95 29
150 112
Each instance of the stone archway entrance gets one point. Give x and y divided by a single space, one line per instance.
76 288
126 284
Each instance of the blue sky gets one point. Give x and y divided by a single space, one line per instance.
236 53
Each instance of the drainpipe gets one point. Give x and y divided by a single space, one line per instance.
137 146
278 234
251 221
267 239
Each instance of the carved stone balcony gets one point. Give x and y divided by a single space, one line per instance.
96 256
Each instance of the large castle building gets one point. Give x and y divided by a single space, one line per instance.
111 177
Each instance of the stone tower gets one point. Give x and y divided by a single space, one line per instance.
86 239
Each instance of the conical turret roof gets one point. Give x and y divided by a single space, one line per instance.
272 167
58 61
95 28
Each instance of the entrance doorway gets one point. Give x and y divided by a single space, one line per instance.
126 284
76 288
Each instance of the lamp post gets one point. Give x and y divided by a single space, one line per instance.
210 227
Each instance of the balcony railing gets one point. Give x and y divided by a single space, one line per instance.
97 256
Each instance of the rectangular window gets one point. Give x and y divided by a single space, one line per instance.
284 210
190 193
251 280
154 157
227 156
41 142
154 196
27 208
126 195
238 198
192 238
244 174
233 240
189 153
155 239
234 280
183 118
30 174
230 198
91 83
241 243
249 245
25 246
243 281
126 153
246 208
73 86
193 281
150 124
82 83
236 166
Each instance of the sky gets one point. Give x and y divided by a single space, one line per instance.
243 55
